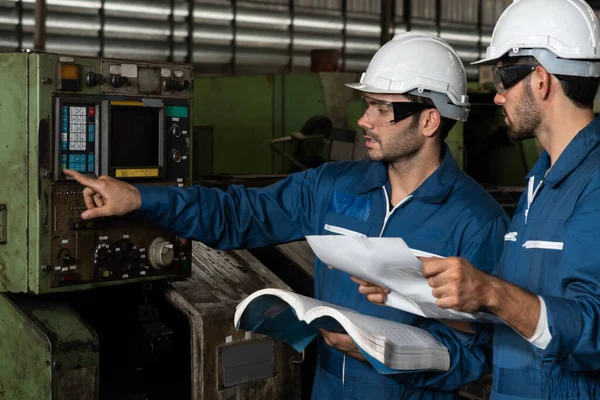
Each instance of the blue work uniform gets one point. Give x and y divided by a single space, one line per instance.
552 250
448 215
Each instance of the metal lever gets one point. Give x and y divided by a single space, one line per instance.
172 84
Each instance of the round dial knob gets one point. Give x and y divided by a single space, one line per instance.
161 253
177 157
93 79
176 130
103 254
118 81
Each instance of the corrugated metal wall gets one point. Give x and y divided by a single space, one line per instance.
243 36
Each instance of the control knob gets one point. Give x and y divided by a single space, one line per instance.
176 155
118 81
103 254
161 253
176 130
93 79
171 84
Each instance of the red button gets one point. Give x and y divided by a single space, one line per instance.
92 111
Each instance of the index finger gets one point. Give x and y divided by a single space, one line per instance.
361 281
84 180
433 266
428 259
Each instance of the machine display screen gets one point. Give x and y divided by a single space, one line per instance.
134 137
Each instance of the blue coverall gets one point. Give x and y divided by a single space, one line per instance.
448 215
552 250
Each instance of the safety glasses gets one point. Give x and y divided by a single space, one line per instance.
509 76
382 113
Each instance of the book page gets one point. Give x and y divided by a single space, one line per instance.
298 302
401 335
389 263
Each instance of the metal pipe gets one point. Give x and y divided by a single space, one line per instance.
407 14
39 30
234 32
387 21
438 16
292 11
172 31
20 25
102 24
479 27
190 33
344 34
288 157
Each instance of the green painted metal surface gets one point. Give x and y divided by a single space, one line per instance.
246 112
48 352
303 97
455 142
42 68
28 81
241 111
15 169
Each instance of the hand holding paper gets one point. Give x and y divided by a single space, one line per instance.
456 283
375 294
391 264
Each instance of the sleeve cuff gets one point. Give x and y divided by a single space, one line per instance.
155 202
542 336
564 335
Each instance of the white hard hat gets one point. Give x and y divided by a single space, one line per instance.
556 32
420 64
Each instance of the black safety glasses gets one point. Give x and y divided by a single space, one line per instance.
382 113
509 76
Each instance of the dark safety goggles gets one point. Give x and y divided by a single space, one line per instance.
382 113
509 76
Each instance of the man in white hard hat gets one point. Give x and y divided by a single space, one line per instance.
547 286
411 187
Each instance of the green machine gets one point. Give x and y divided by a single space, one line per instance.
129 120
236 123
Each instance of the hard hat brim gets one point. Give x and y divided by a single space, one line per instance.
369 88
486 61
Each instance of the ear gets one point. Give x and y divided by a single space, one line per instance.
430 122
541 82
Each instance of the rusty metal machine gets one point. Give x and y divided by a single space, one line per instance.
110 308
99 117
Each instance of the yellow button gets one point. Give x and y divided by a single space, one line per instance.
106 273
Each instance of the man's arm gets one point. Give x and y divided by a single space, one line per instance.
458 285
572 319
237 218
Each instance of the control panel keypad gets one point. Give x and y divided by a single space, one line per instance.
78 137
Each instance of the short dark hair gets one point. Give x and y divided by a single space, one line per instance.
581 91
446 124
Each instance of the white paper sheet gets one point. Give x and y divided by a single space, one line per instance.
390 263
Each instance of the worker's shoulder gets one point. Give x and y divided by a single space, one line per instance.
471 195
352 169
350 176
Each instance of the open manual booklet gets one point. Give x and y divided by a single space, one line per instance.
292 318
